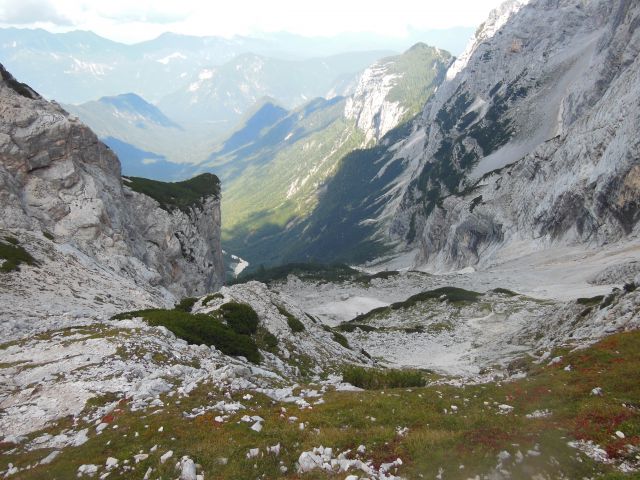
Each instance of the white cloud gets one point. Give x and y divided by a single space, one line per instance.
26 12
129 21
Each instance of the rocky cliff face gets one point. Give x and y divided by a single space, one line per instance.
393 89
531 140
56 177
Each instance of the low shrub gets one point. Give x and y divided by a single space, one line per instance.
341 339
590 301
213 296
375 379
295 325
414 329
240 317
505 291
267 340
13 255
186 304
199 329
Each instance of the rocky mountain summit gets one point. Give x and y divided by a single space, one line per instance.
59 181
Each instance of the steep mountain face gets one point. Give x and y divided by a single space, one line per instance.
57 178
221 95
531 141
395 89
278 164
528 144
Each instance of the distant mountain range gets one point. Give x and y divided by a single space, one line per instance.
82 66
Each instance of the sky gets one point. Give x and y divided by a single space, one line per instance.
132 21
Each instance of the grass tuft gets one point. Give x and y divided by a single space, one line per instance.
13 255
377 379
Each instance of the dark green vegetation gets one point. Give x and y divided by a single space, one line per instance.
295 325
591 301
177 195
505 291
233 338
436 439
454 295
212 296
13 255
19 87
341 339
377 379
330 273
186 304
240 317
307 271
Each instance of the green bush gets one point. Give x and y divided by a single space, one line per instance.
240 317
199 329
374 379
13 255
341 339
295 325
590 301
267 340
310 271
210 297
186 304
505 291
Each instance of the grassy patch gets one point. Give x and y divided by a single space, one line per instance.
212 296
295 325
505 291
179 195
13 255
438 438
341 339
457 296
590 301
376 379
186 304
308 271
199 329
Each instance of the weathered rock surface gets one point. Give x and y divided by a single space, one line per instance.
532 140
57 177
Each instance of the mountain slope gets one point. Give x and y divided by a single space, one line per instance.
137 127
528 144
274 180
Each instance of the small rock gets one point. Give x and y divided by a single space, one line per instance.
188 469
166 456
597 392
619 434
256 427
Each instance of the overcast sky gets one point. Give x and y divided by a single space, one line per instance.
135 20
